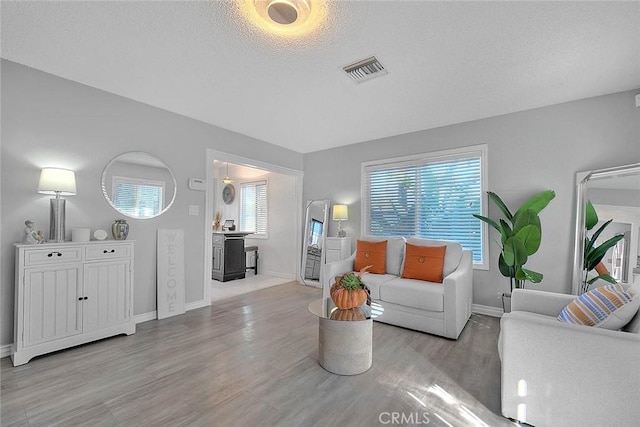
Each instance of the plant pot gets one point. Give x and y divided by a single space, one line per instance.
506 302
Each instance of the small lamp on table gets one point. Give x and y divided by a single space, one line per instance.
58 182
340 213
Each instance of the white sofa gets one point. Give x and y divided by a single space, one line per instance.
436 308
559 374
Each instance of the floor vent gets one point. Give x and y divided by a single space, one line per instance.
365 69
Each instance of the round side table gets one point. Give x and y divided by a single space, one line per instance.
345 338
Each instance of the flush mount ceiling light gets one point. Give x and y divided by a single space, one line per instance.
286 12
284 17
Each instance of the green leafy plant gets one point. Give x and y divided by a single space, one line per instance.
593 254
520 236
351 281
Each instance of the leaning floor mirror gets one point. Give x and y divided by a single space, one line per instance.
608 222
315 233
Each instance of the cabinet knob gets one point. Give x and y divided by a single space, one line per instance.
50 254
108 252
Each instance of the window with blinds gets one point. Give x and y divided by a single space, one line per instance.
432 196
138 198
253 207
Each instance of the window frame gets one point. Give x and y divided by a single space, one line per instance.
137 182
264 182
480 150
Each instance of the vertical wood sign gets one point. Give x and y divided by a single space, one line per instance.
170 273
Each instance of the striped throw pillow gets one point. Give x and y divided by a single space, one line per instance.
608 307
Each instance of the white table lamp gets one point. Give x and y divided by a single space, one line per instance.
340 213
59 182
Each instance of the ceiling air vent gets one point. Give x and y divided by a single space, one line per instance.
365 69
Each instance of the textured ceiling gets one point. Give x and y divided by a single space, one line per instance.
448 62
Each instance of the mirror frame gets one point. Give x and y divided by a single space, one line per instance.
108 197
582 179
305 236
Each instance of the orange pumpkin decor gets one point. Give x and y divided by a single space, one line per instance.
349 314
348 291
347 298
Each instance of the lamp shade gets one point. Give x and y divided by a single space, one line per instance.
340 213
53 181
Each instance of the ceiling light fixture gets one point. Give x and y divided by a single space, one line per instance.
284 17
283 12
226 179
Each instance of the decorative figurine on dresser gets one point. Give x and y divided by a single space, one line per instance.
32 236
71 293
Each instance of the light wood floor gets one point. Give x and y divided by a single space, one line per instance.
252 282
251 360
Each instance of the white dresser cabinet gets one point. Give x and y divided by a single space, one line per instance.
69 294
337 248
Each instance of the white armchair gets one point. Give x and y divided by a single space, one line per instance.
559 374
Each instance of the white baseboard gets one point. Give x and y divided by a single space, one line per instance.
486 310
5 350
196 304
145 317
153 315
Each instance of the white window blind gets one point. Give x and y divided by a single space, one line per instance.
253 207
431 196
138 198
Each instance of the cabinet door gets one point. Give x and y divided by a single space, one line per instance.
52 308
107 292
234 257
217 260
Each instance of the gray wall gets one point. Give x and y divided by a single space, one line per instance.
49 121
613 197
277 253
528 152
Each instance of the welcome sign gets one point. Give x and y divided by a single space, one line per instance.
170 273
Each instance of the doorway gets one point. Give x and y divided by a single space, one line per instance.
279 245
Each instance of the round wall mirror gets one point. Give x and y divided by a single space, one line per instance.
138 185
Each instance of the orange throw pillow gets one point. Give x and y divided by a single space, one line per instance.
424 263
371 253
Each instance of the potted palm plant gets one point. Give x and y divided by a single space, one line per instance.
520 237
